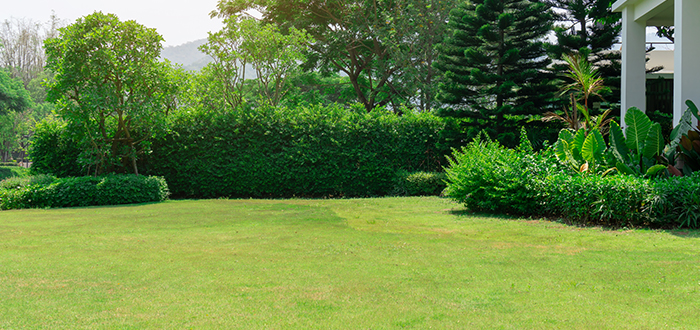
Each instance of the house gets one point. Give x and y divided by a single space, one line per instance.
636 16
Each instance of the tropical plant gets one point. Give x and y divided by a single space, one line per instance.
585 81
684 147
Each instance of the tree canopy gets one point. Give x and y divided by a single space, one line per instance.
109 86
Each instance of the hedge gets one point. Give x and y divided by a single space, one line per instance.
44 191
309 152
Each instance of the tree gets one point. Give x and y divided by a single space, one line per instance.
109 86
494 64
13 96
371 42
22 52
273 56
592 25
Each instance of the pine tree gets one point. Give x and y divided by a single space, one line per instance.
592 25
494 65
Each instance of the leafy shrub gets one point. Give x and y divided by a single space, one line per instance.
614 201
675 202
86 191
307 151
486 176
21 182
53 150
12 171
420 183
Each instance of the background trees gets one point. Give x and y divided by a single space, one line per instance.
590 25
494 65
109 86
376 44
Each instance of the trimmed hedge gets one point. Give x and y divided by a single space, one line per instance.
310 152
47 191
487 177
419 183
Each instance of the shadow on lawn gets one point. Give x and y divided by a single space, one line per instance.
468 213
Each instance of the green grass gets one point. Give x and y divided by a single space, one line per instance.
336 264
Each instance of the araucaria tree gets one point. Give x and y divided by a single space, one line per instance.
590 25
494 64
109 87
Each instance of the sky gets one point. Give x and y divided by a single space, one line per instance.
178 21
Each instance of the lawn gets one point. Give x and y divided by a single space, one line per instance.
336 264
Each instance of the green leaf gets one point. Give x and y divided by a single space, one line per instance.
593 147
564 141
654 142
638 125
579 138
655 169
684 125
693 109
618 144
624 169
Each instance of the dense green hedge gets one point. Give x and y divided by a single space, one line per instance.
53 150
487 177
280 152
46 191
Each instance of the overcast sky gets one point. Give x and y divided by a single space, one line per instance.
178 21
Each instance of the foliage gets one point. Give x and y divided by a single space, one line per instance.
110 86
591 29
273 56
614 201
419 183
85 191
584 83
383 47
493 64
54 149
25 180
675 201
488 177
12 172
21 47
308 151
685 143
13 96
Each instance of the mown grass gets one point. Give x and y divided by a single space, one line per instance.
336 264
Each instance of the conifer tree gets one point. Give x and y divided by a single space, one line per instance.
494 65
590 24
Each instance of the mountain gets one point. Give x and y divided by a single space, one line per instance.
192 59
187 55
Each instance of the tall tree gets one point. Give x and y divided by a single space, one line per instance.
592 25
494 64
109 86
372 42
21 50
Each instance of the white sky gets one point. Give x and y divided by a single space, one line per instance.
178 21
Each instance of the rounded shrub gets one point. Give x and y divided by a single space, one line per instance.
84 191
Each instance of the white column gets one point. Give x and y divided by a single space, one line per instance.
686 56
633 89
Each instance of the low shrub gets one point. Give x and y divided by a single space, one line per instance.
85 191
12 171
674 202
420 183
486 176
614 201
18 182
